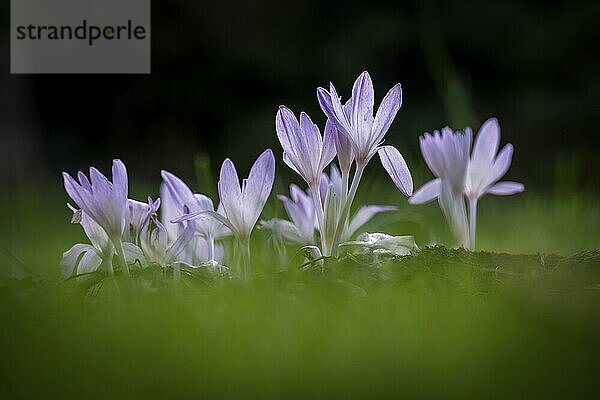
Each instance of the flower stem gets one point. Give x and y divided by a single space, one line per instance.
343 217
109 264
345 179
211 247
244 247
472 222
316 197
121 255
176 272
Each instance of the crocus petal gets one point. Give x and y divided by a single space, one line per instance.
364 215
200 214
343 145
331 106
230 193
179 191
180 244
396 167
328 150
71 256
259 186
133 254
386 113
486 143
502 163
426 193
286 230
120 182
89 262
506 188
95 233
312 143
287 128
361 110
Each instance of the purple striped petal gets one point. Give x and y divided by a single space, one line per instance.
258 188
486 143
426 193
396 167
506 188
386 113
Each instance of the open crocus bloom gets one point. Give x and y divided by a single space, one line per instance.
461 173
356 120
103 201
243 204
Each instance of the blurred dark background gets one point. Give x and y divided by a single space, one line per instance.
220 69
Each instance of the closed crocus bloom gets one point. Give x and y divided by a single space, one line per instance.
303 222
304 149
104 202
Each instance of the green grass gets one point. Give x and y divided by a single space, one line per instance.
443 323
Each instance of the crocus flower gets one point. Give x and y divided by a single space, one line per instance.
365 134
301 226
447 155
242 204
104 202
356 120
86 258
178 196
304 150
486 168
461 173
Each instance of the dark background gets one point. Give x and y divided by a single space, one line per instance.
220 69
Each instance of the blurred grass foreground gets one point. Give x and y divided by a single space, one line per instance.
443 323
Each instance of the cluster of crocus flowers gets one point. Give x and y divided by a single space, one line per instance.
187 232
464 174
352 134
184 228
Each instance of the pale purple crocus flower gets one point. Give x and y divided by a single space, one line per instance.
305 151
303 221
242 204
178 197
462 173
486 167
447 156
104 202
86 258
365 133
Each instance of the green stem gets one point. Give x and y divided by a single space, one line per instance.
315 191
472 222
244 246
343 217
121 256
211 247
109 264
